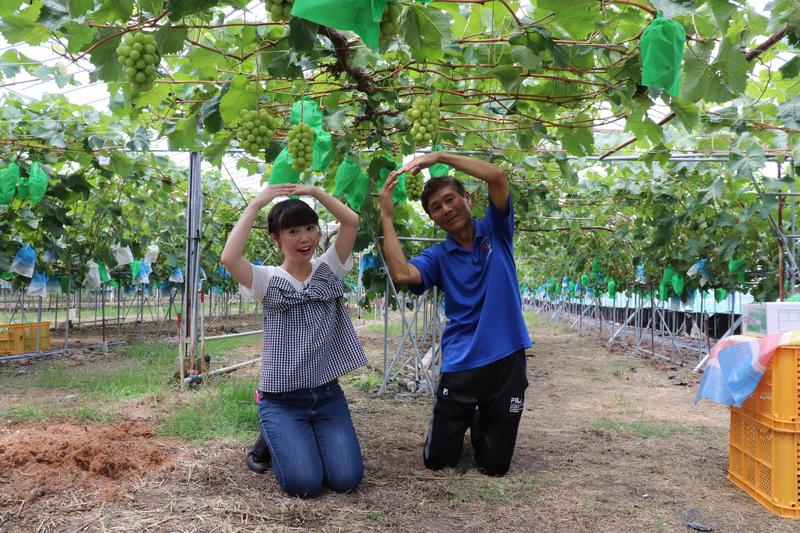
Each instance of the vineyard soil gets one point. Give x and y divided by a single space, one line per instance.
608 442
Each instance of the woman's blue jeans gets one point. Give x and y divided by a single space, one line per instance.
312 440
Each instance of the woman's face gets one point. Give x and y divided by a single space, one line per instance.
298 242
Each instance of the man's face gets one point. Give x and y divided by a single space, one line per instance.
449 210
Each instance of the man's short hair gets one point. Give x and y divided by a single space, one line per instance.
435 184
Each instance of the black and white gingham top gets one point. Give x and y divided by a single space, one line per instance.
309 338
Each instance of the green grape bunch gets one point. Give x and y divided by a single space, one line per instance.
424 116
301 141
256 129
139 58
390 23
414 186
280 10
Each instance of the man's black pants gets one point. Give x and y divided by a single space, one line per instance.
489 400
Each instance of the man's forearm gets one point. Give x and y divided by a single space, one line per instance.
393 253
478 168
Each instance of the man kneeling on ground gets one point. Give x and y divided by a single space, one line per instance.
483 380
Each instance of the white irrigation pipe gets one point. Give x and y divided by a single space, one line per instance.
197 378
232 335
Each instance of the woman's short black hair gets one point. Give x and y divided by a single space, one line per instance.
290 214
434 184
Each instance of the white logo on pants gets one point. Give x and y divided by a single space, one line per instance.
516 405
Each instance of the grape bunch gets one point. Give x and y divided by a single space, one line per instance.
301 140
138 57
424 115
390 23
414 186
280 10
256 129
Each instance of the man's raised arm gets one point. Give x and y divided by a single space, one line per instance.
399 268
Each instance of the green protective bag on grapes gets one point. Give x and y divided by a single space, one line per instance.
37 183
399 189
360 16
736 266
15 181
8 187
720 294
282 171
136 267
308 112
662 45
612 287
351 183
65 282
677 283
104 276
666 277
663 290
439 170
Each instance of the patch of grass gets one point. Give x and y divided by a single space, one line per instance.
488 492
24 413
705 433
364 382
143 368
621 372
621 401
30 412
641 428
366 314
224 411
374 515
510 489
590 505
660 522
90 414
533 319
223 347
394 329
637 428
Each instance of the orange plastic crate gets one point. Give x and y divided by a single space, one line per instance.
765 463
21 338
776 400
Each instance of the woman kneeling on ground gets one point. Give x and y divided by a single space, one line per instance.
309 341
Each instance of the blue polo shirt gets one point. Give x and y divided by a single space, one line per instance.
481 293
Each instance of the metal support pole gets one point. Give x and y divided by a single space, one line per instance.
38 324
67 321
386 333
103 304
141 312
119 307
194 210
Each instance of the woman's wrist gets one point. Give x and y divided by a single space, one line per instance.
257 204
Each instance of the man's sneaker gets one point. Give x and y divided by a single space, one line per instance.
258 458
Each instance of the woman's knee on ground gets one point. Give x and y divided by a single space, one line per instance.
301 486
346 480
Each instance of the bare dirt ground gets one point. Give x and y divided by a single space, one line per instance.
608 442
